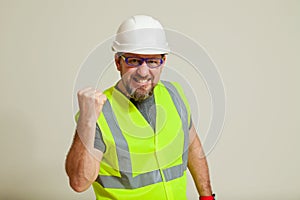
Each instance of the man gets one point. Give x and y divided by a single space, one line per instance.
144 139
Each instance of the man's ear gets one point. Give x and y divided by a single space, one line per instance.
164 59
117 62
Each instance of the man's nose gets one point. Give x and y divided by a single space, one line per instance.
143 70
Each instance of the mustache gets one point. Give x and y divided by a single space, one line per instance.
138 77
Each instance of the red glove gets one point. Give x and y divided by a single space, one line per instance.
207 197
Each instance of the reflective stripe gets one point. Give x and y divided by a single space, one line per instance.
182 111
174 172
127 181
121 144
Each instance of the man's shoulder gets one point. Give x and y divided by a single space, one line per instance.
172 86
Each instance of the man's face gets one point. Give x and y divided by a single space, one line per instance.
138 81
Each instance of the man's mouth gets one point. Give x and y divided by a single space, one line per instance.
142 81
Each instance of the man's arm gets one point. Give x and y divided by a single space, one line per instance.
83 160
81 166
197 165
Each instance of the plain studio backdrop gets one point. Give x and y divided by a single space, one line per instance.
255 45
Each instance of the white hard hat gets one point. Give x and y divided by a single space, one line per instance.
141 34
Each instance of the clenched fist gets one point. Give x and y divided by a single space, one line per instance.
90 103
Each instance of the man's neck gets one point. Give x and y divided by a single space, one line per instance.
120 87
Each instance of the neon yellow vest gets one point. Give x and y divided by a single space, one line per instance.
140 163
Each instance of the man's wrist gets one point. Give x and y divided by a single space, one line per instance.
86 121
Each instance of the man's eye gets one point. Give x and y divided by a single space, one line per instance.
153 61
134 61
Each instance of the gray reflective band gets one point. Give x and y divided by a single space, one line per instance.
174 172
182 111
121 143
127 181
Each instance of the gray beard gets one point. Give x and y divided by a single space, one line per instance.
137 96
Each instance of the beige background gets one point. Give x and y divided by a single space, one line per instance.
254 43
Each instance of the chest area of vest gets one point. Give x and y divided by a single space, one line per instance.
140 144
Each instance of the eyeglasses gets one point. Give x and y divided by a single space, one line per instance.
136 62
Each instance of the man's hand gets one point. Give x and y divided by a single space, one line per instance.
90 103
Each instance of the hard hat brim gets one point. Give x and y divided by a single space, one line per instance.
149 51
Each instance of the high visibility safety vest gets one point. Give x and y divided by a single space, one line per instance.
140 162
